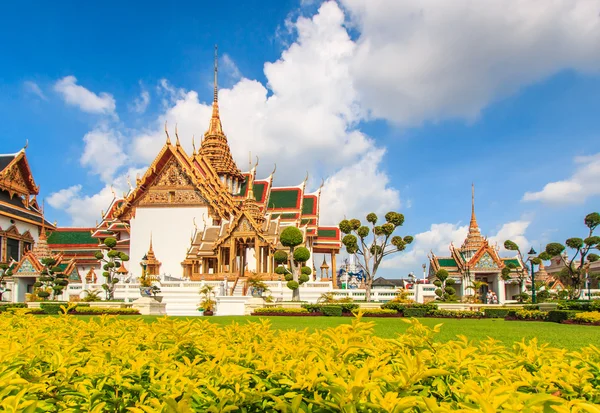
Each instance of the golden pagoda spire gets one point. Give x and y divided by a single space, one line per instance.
473 223
41 248
215 127
474 239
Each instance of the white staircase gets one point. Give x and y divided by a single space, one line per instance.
238 290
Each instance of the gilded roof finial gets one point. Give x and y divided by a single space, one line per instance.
215 127
26 144
216 92
249 160
194 144
176 136
150 249
473 222
167 132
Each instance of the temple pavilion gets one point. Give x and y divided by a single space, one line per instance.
199 216
477 260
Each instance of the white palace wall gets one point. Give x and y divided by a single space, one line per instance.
23 227
171 228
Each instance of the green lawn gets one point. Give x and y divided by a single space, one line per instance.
571 337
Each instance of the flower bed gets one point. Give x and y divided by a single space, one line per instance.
79 310
128 365
587 318
527 315
455 314
281 311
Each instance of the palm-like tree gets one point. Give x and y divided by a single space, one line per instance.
476 286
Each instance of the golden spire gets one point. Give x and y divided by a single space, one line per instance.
474 239
215 127
214 146
194 144
41 249
150 249
473 223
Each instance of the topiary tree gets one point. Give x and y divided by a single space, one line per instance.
5 271
371 245
297 256
445 291
517 272
576 267
112 260
52 281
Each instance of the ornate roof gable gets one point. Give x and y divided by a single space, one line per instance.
175 179
16 176
243 224
486 258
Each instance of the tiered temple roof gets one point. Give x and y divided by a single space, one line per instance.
475 254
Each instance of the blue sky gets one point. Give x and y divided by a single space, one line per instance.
396 105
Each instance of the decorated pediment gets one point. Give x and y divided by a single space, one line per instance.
172 187
13 230
486 262
27 266
17 177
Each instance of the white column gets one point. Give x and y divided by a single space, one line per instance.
501 291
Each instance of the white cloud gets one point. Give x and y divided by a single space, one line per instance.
86 100
436 239
583 184
419 61
34 88
85 210
62 198
307 121
141 102
358 189
103 152
514 231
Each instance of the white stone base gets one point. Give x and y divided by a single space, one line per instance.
149 306
232 305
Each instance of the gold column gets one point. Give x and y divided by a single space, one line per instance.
231 255
333 269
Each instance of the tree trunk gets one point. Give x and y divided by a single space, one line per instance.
295 292
368 285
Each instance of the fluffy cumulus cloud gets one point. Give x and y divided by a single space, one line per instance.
304 119
420 61
583 184
141 102
103 153
85 210
86 100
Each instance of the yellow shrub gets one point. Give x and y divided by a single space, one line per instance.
588 317
64 364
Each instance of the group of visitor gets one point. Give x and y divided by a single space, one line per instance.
491 298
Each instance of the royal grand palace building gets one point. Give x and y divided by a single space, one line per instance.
193 216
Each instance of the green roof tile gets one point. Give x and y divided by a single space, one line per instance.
327 233
284 198
71 237
259 189
308 206
447 262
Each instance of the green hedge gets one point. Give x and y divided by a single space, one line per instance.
318 308
401 307
415 312
332 310
531 307
456 313
280 310
593 305
496 312
52 308
558 316
7 306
